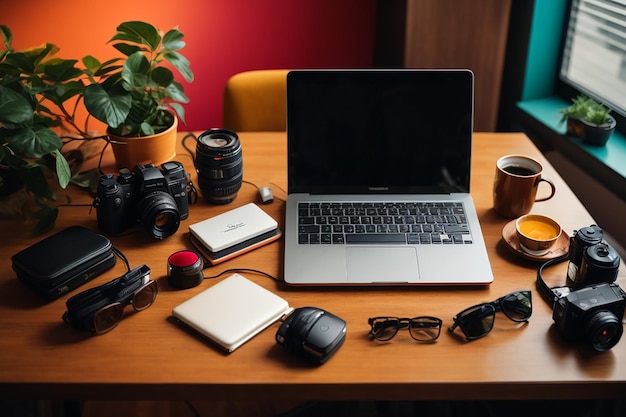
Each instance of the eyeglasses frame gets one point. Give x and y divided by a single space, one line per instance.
405 323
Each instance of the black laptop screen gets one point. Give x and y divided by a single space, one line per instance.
387 131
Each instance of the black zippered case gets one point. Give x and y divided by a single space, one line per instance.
62 262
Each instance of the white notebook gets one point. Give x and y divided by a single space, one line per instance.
232 311
233 227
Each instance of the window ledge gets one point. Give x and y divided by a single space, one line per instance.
540 118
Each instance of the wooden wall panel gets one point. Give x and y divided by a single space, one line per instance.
450 34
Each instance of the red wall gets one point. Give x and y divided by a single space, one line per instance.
223 37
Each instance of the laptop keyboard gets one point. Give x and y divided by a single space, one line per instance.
380 222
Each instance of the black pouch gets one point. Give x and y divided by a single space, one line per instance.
62 262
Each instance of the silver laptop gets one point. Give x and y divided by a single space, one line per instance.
378 179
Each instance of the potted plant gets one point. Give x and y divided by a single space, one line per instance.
38 93
589 120
137 96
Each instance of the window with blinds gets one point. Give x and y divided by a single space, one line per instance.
594 53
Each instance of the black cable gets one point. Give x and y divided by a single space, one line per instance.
551 295
190 151
121 255
232 270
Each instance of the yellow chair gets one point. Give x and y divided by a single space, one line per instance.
255 101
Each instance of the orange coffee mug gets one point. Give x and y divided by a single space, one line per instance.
515 185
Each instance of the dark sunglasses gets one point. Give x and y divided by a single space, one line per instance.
477 321
109 316
101 308
422 329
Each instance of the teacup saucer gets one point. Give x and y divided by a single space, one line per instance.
509 237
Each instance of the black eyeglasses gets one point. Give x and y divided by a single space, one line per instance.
422 329
477 321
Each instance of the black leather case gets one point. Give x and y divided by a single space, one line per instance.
62 262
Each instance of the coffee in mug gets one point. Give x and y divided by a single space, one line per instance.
516 183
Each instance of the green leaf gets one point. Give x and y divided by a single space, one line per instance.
138 32
62 169
135 70
175 92
34 141
127 49
181 64
14 108
110 107
59 70
180 111
172 40
162 76
6 36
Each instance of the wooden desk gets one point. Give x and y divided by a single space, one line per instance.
149 356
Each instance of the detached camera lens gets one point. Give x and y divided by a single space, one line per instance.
604 330
219 165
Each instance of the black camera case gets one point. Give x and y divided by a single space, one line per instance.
62 262
312 333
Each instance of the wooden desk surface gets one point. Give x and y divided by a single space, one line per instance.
150 356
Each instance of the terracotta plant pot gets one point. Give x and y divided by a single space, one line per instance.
157 149
591 134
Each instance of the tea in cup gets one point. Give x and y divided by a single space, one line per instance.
536 233
516 183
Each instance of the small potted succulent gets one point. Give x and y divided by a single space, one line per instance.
136 96
587 119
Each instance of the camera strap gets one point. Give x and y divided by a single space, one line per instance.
551 295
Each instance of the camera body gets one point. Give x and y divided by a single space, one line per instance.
594 312
153 197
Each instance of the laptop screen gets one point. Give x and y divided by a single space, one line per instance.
381 131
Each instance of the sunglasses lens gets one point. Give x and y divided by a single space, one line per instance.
517 306
385 328
145 296
477 321
107 318
425 329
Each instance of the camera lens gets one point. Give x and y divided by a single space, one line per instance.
219 165
604 330
158 213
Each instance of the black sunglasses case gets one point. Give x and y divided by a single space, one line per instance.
62 262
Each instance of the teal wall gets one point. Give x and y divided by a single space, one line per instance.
543 48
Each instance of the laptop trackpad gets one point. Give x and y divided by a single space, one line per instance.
382 264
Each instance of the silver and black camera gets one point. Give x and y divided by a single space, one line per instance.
593 313
219 165
156 198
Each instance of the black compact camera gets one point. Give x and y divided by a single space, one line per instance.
593 313
312 333
591 260
219 165
155 198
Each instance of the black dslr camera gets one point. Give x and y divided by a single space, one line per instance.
153 197
593 313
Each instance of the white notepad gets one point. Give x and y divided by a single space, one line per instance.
232 311
233 227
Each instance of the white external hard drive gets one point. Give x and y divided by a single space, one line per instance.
232 227
232 311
